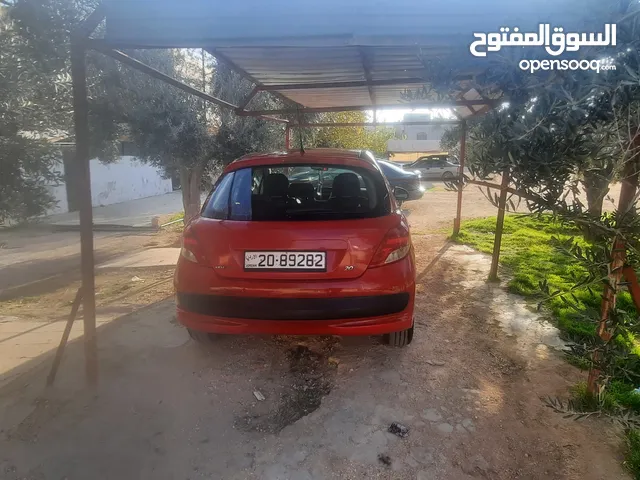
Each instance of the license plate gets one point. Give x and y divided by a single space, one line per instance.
285 260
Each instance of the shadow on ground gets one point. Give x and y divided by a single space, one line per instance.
169 408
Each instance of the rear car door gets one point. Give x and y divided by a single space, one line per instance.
433 168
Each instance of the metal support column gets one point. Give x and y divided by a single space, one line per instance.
81 120
497 241
463 151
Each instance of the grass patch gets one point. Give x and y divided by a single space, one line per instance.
529 254
175 217
632 457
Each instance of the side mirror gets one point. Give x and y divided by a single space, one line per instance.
401 194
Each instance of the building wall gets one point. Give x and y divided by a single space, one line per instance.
410 146
421 132
59 193
125 180
413 141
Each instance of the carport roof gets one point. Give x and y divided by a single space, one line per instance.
336 55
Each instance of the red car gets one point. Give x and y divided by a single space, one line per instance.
299 243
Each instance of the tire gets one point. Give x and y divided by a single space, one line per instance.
201 337
447 176
399 339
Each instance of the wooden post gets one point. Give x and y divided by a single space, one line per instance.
633 285
75 306
497 241
81 121
616 269
463 148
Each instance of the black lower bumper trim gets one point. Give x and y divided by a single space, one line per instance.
258 308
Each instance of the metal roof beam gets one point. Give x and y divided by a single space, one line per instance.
373 124
89 24
247 100
152 72
407 106
366 66
358 83
240 71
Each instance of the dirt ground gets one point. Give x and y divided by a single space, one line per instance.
34 260
469 389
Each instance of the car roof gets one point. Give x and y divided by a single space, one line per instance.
430 155
397 169
336 156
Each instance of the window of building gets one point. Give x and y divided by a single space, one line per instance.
421 136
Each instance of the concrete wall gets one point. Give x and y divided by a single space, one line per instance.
400 146
124 180
59 193
414 139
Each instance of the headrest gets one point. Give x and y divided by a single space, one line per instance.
346 185
276 185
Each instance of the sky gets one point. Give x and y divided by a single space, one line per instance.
397 115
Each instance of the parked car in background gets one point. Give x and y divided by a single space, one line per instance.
294 243
436 167
398 177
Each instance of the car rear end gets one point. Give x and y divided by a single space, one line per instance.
407 180
314 245
412 183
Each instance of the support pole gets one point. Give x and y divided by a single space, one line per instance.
287 137
75 306
633 286
463 150
628 190
502 205
81 120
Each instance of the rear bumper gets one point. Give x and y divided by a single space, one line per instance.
319 308
358 326
380 301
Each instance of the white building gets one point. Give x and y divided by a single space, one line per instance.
120 181
413 141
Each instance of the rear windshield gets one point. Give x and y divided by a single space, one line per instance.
300 192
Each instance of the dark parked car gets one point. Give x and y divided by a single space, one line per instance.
410 181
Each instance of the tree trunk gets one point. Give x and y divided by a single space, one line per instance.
190 181
596 186
626 206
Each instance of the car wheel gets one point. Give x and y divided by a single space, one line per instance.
201 337
399 339
447 176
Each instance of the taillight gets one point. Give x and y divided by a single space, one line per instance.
395 246
190 249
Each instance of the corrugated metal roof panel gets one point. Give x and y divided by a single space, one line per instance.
276 66
334 41
217 23
330 97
